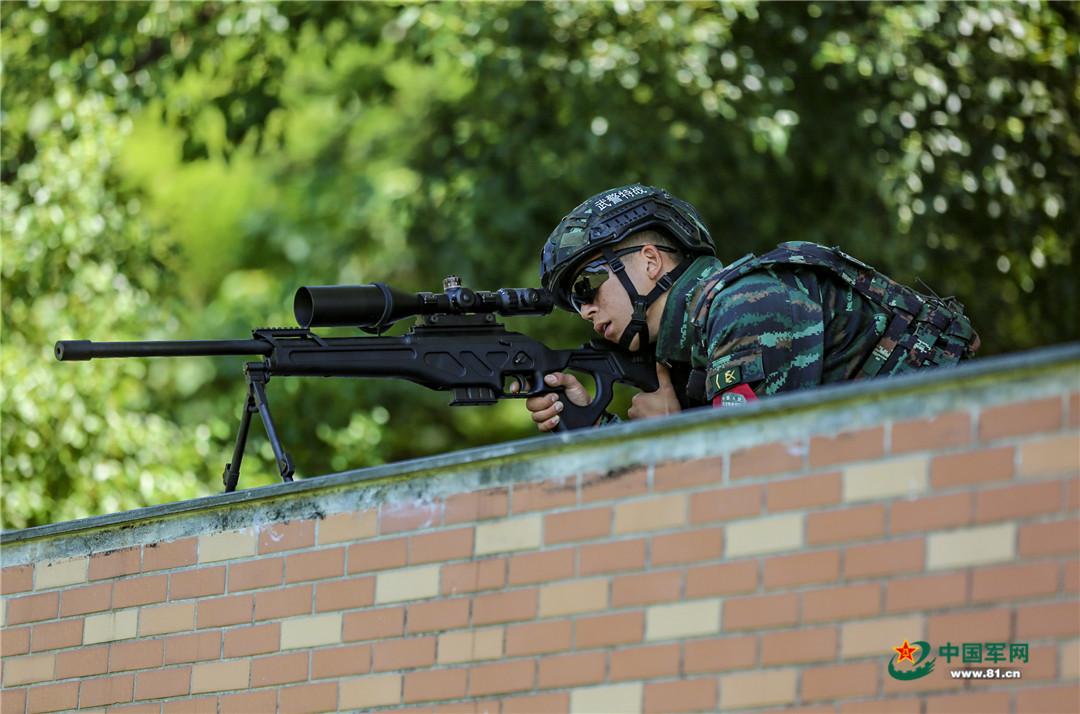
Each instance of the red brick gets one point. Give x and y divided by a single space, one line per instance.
315 565
767 459
16 579
725 504
106 690
760 611
437 615
441 546
86 599
1059 620
614 557
646 588
197 647
436 684
285 602
265 700
619 628
309 698
502 677
805 492
932 513
926 593
56 635
901 556
537 704
505 606
170 555
279 669
799 646
337 595
224 611
374 624
49 698
940 432
631 663
136 654
538 637
674 475
572 670
787 571
615 484
14 700
32 608
584 524
290 535
378 555
848 602
687 546
972 467
1041 539
256 574
340 662
1047 700
982 702
1040 415
15 641
82 662
409 516
1017 502
253 640
859 523
544 495
477 506
474 576
840 681
1014 582
720 654
973 625
147 590
722 579
200 582
408 653
683 695
542 566
158 684
114 563
848 446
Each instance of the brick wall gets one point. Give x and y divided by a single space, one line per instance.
705 562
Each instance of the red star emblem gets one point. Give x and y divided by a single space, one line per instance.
906 651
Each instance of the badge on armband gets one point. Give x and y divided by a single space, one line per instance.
736 397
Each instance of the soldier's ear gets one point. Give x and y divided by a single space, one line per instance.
654 261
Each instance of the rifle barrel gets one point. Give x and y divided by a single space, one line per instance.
81 350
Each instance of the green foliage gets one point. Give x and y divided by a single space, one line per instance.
175 170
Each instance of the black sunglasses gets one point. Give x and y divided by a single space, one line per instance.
593 274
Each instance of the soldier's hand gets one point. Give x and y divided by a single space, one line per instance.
546 408
659 403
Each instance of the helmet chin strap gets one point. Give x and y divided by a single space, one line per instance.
638 324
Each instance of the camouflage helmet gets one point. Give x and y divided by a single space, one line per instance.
609 217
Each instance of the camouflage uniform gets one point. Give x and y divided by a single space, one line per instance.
799 316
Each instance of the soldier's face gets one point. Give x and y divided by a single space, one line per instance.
608 307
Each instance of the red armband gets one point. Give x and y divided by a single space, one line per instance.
735 397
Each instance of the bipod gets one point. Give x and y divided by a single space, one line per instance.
256 375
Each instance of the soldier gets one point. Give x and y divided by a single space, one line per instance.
639 264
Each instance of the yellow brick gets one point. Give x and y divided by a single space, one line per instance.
1070 660
971 547
220 676
470 645
509 535
684 619
651 514
314 631
110 626
365 692
28 670
227 546
163 619
878 637
757 689
1059 455
616 699
407 584
764 535
350 526
58 573
887 479
572 597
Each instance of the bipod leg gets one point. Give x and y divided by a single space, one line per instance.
256 378
232 469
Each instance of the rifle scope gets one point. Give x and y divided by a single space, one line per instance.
375 306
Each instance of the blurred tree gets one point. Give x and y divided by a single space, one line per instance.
175 170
